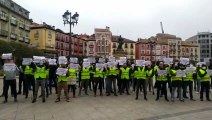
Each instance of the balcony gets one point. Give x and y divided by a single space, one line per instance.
26 40
67 40
14 22
4 18
91 46
67 48
13 36
49 46
21 25
21 38
27 27
62 48
3 33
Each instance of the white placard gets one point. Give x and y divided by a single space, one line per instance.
74 60
92 59
190 70
168 60
52 61
209 72
112 59
9 67
139 62
111 64
162 72
99 65
61 71
180 73
6 56
206 60
184 61
85 60
123 58
74 66
62 60
39 59
101 60
27 61
86 64
147 62
122 62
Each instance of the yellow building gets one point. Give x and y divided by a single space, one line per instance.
43 37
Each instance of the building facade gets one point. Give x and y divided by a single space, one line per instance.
14 22
43 37
204 40
62 43
128 47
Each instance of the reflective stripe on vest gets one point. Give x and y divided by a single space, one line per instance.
40 73
98 73
85 74
125 73
206 77
140 74
174 78
72 73
28 70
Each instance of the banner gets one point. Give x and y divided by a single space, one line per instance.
52 61
86 64
123 58
190 70
168 61
61 71
74 66
6 56
139 62
99 65
39 59
162 72
62 60
9 67
27 61
184 61
180 73
74 60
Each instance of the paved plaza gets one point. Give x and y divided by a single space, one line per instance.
123 107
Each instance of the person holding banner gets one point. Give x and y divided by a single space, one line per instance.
111 78
72 78
125 78
98 78
10 70
40 79
161 74
140 75
204 78
188 82
62 73
177 75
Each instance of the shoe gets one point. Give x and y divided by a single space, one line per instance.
186 97
18 93
172 99
153 93
208 99
26 96
201 99
2 95
15 100
136 98
115 95
5 101
128 93
57 100
145 99
34 100
67 100
44 100
86 94
157 99
101 94
108 94
94 95
40 96
182 100
167 99
192 99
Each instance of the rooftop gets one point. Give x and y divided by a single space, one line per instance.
115 39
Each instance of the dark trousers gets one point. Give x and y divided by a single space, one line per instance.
205 86
84 83
21 80
190 85
134 83
3 91
96 82
73 89
111 82
47 87
124 83
52 82
161 88
12 84
28 81
139 83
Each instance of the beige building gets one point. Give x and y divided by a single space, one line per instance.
128 47
14 22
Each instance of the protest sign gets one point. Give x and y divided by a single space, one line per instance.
180 73
74 60
74 66
99 65
9 67
112 59
101 60
27 61
52 61
61 71
62 60
86 64
184 61
162 72
6 56
190 69
168 61
139 62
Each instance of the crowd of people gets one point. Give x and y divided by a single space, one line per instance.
116 79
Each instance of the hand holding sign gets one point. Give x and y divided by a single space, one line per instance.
74 60
184 61
86 64
74 66
52 61
61 71
27 61
9 67
62 60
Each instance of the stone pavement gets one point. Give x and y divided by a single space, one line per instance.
104 108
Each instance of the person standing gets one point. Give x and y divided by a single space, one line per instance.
210 68
161 74
140 74
21 80
10 70
98 80
62 84
112 74
150 74
52 78
176 82
40 77
85 77
72 80
125 78
204 78
28 71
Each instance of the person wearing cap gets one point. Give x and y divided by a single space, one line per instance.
161 81
40 79
176 82
10 79
204 78
98 80
188 82
140 74
150 74
125 78
85 77
72 80
62 84
111 78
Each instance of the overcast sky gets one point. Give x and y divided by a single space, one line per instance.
130 18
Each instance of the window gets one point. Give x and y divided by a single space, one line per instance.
142 58
61 45
142 46
125 45
147 46
148 53
3 14
142 52
49 35
13 30
36 34
61 53
131 46
164 47
3 26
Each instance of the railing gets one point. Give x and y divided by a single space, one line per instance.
4 18
21 25
20 38
13 36
13 22
27 27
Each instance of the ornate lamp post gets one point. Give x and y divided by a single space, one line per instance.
70 19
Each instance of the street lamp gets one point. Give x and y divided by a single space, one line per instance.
70 19
151 42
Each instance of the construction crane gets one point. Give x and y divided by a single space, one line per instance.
161 25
